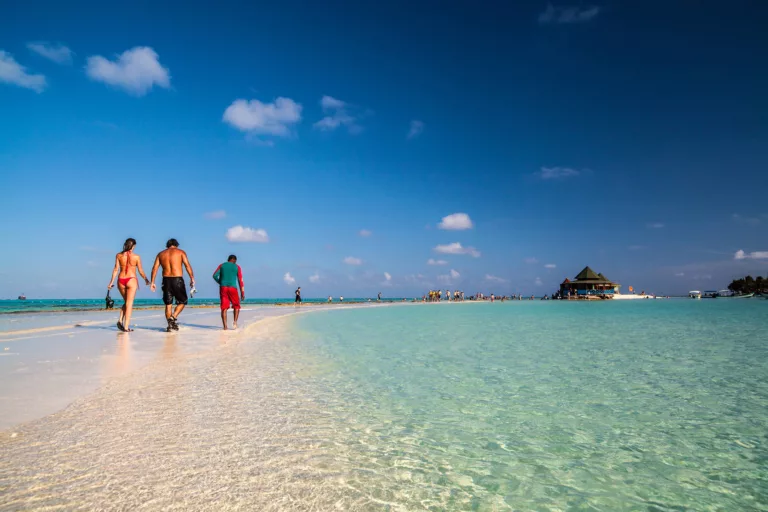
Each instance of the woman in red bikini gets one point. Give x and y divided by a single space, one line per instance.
126 264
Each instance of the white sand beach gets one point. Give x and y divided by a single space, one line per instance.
200 419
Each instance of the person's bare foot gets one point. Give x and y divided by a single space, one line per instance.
234 326
225 328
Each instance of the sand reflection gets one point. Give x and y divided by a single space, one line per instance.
170 346
121 362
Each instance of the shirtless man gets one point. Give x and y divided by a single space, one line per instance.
172 259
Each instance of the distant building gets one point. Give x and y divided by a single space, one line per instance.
588 284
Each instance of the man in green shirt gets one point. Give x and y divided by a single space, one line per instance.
229 275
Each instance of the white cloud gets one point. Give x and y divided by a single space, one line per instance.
349 260
218 214
432 261
531 261
417 127
456 248
243 234
387 276
679 274
753 221
338 113
555 173
11 72
538 282
758 255
448 278
495 279
58 53
263 118
416 278
315 278
288 278
550 265
456 221
136 71
655 225
331 103
365 232
562 15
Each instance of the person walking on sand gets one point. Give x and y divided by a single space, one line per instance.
173 260
229 276
297 302
126 263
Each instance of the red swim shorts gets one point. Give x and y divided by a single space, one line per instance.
228 294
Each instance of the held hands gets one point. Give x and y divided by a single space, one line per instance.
153 287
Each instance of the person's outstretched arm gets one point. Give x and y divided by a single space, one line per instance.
185 261
240 280
114 273
154 272
141 270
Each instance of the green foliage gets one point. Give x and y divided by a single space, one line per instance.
749 284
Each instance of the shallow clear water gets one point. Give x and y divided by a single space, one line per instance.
658 405
647 405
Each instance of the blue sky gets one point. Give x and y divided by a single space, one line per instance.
632 137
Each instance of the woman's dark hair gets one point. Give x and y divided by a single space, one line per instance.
171 243
129 244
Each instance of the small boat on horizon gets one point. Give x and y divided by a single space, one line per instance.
694 294
727 294
22 297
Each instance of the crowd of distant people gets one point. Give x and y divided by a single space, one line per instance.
437 296
458 296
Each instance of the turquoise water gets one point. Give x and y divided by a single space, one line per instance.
52 305
652 405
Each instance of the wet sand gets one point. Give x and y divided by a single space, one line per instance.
45 368
202 419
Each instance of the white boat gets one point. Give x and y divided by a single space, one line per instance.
730 295
694 294
632 296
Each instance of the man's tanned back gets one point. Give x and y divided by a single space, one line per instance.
173 260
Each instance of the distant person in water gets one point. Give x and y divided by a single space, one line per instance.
173 260
229 276
126 264
379 298
298 296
